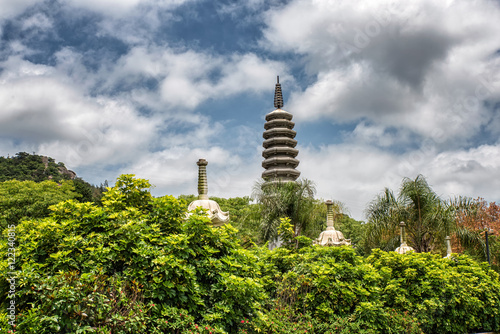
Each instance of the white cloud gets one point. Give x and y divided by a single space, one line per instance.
472 172
37 21
12 8
173 171
417 66
355 174
50 110
41 107
411 77
188 78
352 174
377 135
116 8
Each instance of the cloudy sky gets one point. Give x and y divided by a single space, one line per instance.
379 91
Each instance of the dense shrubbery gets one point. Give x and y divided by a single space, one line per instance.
29 199
386 292
137 265
76 263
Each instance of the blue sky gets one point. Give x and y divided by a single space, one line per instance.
379 91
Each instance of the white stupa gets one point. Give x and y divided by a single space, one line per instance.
331 237
216 215
403 248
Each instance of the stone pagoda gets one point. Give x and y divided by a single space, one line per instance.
216 215
279 143
404 248
331 237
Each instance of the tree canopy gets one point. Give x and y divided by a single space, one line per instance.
427 217
29 199
139 264
294 200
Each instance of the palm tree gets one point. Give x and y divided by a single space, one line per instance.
473 217
429 220
427 217
294 200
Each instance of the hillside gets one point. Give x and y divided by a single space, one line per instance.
32 167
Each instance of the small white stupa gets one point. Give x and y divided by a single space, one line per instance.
216 215
331 237
404 248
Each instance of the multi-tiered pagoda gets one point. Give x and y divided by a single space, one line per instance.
279 144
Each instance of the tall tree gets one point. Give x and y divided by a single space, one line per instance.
475 217
294 200
428 218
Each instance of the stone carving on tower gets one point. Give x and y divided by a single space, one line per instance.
279 143
216 215
331 237
404 248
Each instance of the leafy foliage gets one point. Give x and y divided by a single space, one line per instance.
384 293
473 218
244 216
138 264
28 199
26 167
454 295
429 220
294 200
427 217
354 230
136 244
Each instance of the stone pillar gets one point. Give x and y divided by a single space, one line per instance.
329 215
202 179
402 225
448 246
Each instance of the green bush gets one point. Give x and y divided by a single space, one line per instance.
77 260
138 264
454 295
384 293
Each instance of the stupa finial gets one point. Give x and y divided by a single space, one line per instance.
403 248
202 179
402 235
448 246
329 215
278 96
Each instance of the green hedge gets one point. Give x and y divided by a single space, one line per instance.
138 265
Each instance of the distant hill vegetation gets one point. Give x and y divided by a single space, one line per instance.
32 167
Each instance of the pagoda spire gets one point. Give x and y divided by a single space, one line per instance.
278 95
202 179
279 143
